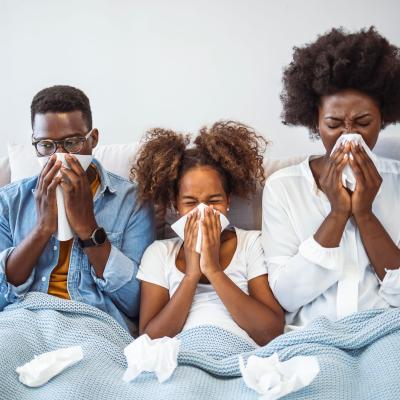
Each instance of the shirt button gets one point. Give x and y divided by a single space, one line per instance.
55 248
43 278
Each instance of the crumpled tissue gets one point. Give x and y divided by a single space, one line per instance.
147 355
64 231
47 365
348 178
273 379
179 226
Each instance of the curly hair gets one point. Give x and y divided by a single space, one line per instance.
62 99
233 149
364 61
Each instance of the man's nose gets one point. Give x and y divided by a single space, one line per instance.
59 148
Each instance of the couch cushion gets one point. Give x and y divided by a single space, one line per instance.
5 174
116 158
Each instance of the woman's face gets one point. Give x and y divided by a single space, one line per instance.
348 111
201 185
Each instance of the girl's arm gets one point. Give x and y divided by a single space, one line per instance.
161 315
258 313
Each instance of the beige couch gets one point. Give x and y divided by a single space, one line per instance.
244 213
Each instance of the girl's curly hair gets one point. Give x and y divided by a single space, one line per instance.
339 60
233 149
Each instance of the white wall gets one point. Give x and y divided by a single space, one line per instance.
177 63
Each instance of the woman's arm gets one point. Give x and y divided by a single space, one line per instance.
302 270
258 314
161 316
382 251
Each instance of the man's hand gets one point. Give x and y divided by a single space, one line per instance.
78 198
45 196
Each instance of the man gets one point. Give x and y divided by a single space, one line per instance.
111 230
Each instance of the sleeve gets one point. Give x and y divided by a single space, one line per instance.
119 277
8 292
256 265
298 270
152 267
390 287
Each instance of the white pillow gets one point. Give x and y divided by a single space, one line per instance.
116 158
4 171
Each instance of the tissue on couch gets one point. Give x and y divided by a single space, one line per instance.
146 355
274 379
47 365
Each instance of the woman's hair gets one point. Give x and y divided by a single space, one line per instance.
364 61
231 148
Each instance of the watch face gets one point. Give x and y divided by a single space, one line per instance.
100 236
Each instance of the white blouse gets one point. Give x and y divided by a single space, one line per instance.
248 262
309 280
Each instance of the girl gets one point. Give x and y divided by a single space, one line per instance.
226 284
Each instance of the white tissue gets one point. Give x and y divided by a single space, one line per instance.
274 379
179 226
348 178
44 367
64 231
146 355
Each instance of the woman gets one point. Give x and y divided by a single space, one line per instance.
226 284
330 251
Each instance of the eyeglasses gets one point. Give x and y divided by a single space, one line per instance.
47 147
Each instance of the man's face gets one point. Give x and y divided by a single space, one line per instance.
59 126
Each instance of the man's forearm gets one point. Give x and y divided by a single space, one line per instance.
22 260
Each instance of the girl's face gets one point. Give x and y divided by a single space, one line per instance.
201 185
348 111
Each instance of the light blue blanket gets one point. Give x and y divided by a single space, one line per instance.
359 356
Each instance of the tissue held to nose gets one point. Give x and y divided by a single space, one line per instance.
179 226
348 178
64 231
46 366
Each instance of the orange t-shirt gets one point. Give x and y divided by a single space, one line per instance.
59 277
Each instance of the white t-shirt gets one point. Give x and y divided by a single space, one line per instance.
158 267
310 280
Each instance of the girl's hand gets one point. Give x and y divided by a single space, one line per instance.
331 182
368 182
192 258
211 230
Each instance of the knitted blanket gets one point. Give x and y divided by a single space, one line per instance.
359 356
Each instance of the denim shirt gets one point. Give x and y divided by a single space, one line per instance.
130 229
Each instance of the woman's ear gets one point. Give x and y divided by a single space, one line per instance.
95 137
228 202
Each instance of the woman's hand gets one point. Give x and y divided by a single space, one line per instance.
331 182
368 182
211 230
192 258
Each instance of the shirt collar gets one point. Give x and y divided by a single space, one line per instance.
105 182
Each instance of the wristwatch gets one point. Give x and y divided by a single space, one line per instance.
97 238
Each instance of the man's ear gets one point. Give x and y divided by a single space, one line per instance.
95 137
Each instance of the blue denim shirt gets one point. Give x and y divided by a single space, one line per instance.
130 229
